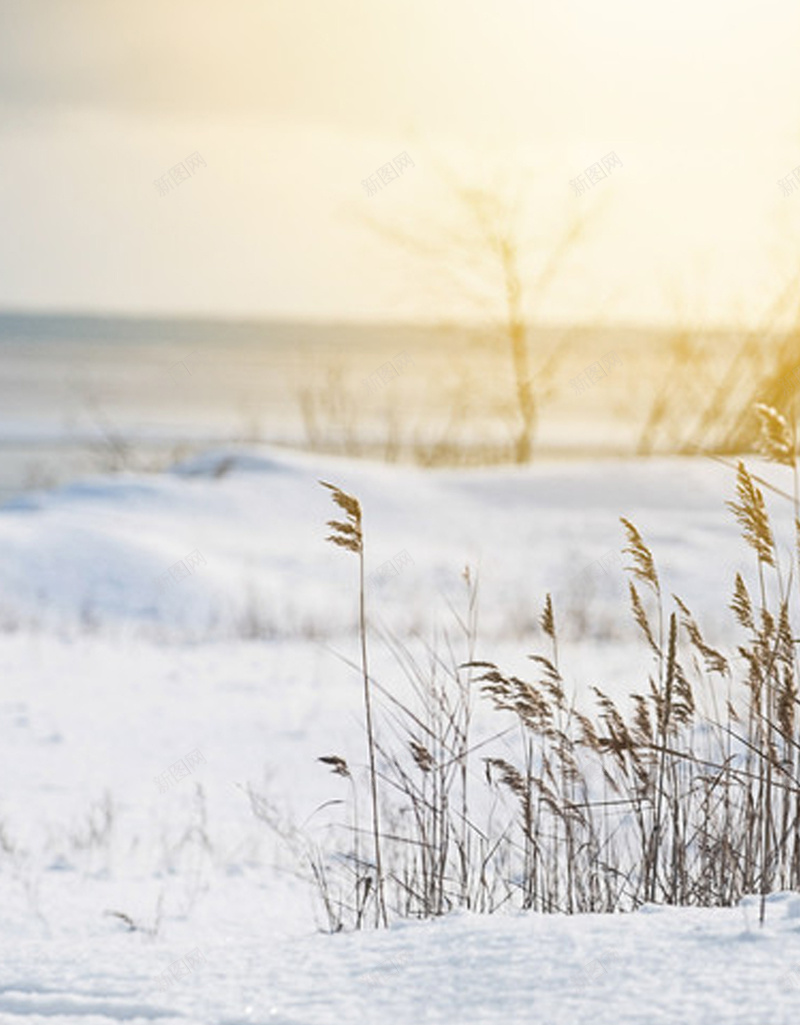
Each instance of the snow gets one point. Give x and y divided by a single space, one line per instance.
658 965
97 548
112 673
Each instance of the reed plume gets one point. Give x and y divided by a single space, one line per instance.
348 534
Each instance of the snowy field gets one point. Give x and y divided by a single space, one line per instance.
169 640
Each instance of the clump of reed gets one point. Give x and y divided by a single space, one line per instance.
688 793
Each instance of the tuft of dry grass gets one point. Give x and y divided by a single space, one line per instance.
688 794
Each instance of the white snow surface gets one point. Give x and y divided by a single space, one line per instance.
111 674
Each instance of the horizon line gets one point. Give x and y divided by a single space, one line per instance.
439 324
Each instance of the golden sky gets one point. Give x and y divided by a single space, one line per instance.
291 103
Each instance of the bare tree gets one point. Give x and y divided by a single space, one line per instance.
484 256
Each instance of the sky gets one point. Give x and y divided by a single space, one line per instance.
292 104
